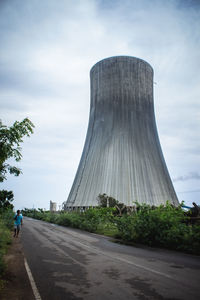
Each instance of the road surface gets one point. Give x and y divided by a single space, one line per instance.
72 264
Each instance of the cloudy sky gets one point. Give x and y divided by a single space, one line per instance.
47 49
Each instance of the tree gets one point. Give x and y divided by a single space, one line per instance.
5 198
10 139
106 201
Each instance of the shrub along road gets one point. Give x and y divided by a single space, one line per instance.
72 264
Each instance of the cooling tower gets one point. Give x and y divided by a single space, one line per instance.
122 156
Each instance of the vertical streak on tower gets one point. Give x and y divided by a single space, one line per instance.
122 156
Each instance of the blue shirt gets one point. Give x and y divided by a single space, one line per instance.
18 220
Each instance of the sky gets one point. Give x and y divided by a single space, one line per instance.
47 49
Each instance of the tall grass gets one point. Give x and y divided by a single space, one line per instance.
6 224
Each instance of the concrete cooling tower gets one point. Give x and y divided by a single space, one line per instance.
122 156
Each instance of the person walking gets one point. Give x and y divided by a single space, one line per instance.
18 221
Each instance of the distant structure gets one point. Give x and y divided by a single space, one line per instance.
53 206
122 156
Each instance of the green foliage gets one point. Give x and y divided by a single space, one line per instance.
5 198
88 220
68 219
194 239
163 226
5 240
6 224
107 228
106 201
10 139
7 217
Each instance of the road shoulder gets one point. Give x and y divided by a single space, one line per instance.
17 283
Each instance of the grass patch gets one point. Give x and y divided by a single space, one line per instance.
108 229
5 241
6 223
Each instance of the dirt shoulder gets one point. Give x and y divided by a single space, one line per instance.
17 283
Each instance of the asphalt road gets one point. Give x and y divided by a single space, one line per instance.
71 264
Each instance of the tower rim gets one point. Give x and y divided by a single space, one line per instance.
119 57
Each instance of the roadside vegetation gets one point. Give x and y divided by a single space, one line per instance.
164 226
10 139
97 220
6 225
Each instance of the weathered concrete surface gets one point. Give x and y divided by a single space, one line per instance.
122 156
71 264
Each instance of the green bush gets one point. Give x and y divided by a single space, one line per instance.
6 224
8 218
163 226
88 220
64 219
194 239
105 200
48 217
72 219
